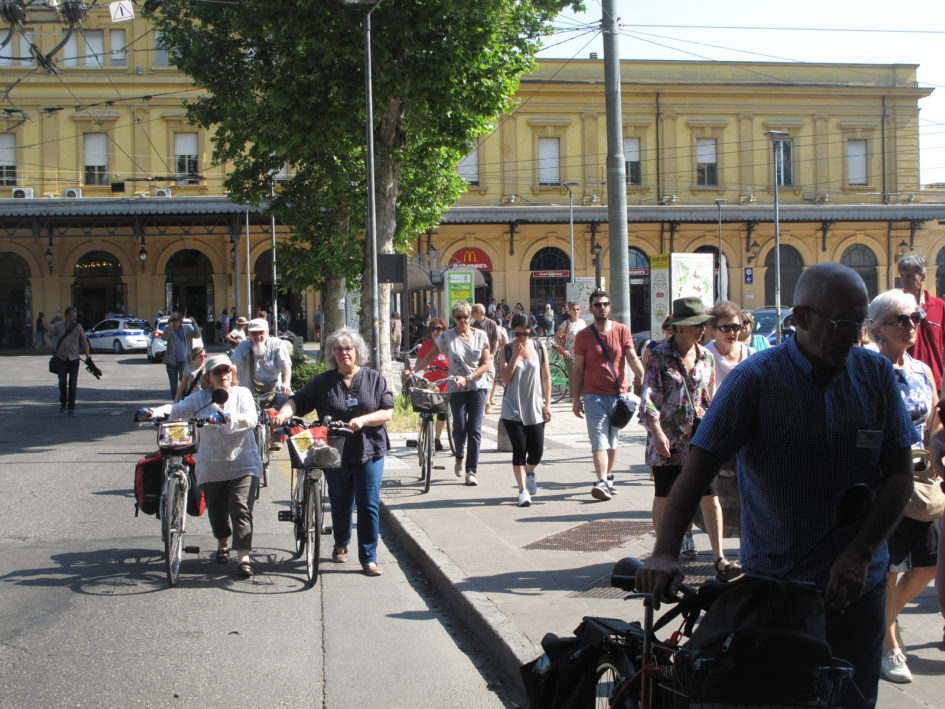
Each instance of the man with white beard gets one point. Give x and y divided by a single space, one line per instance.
263 366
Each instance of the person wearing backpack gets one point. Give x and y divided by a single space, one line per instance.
191 380
526 405
70 337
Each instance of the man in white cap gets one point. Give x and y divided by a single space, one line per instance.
263 365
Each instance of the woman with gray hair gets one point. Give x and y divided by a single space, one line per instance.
892 322
470 360
359 396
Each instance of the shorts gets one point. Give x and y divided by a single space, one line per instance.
665 475
597 412
913 545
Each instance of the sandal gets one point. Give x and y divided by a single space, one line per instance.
339 555
726 570
246 570
689 546
223 556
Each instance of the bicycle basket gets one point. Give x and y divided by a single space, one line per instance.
312 448
178 436
425 401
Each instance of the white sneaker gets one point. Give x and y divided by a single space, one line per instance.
893 667
524 499
471 479
530 486
600 491
611 488
458 467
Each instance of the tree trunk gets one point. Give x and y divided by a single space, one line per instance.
333 317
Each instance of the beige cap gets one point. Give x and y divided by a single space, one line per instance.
218 360
258 324
241 320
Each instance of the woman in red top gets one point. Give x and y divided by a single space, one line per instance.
438 371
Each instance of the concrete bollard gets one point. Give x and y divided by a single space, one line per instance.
502 442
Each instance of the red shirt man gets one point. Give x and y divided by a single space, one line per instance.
930 335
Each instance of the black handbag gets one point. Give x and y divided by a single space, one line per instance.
623 411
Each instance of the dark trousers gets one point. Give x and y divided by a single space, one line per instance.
232 501
68 381
175 372
856 635
467 408
528 442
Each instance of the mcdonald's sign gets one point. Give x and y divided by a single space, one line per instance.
471 257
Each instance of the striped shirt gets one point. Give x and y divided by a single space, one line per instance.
800 444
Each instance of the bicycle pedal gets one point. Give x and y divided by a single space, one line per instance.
439 467
411 442
192 550
286 516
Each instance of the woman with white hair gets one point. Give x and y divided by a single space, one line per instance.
891 323
358 395
227 463
470 359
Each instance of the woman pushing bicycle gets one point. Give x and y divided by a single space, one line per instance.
358 395
227 462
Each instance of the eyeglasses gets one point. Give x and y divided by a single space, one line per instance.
524 333
904 321
221 371
849 327
342 350
436 329
729 328
460 317
601 304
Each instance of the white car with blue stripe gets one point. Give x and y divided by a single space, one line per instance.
119 335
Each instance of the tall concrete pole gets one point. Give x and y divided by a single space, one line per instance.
619 285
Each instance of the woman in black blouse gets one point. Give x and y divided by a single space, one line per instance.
358 395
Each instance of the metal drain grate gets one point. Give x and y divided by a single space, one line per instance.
600 535
696 572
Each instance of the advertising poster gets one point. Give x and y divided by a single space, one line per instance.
660 294
579 292
675 276
459 286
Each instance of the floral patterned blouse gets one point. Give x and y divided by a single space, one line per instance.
665 400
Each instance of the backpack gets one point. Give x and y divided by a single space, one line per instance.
507 352
149 477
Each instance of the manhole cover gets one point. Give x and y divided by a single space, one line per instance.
600 535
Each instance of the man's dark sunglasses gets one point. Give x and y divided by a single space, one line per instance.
601 304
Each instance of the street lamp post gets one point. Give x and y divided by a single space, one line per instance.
569 185
718 292
777 137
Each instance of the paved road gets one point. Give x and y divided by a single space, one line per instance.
87 618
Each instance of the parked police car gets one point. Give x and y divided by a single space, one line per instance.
119 335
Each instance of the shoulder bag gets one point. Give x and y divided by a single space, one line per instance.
696 418
623 411
927 502
55 364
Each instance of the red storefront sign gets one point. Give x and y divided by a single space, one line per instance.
639 272
551 274
471 257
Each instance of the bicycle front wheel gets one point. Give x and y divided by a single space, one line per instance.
426 465
298 513
612 671
560 384
313 525
173 520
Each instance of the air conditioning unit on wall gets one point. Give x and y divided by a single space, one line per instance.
23 193
73 193
162 192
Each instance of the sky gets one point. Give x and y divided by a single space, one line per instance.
867 31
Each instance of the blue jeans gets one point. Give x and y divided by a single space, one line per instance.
467 408
356 483
856 635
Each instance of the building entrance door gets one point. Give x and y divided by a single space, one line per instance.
98 288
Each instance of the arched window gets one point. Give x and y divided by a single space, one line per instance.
791 266
550 269
16 296
188 287
862 260
98 288
97 264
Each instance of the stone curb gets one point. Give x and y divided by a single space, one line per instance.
506 643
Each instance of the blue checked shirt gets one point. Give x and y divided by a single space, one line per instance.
800 444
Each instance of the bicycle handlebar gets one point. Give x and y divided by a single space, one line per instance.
327 422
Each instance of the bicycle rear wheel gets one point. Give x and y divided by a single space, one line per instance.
173 521
560 385
313 525
612 670
298 513
426 465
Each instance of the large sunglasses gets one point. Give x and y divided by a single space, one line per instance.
904 321
601 304
521 333
460 317
220 371
436 329
729 328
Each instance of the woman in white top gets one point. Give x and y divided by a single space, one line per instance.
564 338
526 406
470 360
726 348
227 463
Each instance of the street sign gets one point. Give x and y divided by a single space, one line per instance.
122 11
749 276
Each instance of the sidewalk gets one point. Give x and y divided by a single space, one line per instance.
514 574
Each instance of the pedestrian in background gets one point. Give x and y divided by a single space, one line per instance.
69 337
40 331
892 321
526 405
396 334
179 336
602 353
566 334
726 349
930 335
548 323
481 322
191 380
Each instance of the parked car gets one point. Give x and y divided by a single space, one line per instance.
767 317
118 335
156 346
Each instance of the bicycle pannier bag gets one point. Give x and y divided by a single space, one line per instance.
149 474
195 500
425 401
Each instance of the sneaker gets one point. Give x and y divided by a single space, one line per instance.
530 485
437 445
471 479
458 467
275 445
600 491
893 667
62 409
610 485
71 412
524 499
